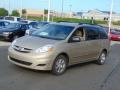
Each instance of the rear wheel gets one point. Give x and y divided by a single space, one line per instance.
102 58
60 65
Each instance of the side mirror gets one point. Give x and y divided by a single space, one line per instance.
75 39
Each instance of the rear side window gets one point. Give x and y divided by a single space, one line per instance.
9 18
1 24
103 34
18 19
6 23
24 27
92 34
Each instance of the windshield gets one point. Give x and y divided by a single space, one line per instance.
115 32
13 25
25 26
4 24
57 32
40 24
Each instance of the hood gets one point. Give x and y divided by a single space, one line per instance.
32 42
33 29
7 29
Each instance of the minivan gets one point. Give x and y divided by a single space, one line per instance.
57 46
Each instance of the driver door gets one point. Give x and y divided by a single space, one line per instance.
78 49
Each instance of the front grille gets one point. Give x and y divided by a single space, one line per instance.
22 49
21 62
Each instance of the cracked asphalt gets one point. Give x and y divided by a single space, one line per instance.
87 76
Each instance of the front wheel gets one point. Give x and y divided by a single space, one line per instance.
59 65
102 58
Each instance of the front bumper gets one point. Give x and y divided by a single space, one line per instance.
31 61
2 36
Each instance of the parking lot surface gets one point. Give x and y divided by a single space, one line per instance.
88 76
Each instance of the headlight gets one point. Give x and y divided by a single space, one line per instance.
7 33
44 49
13 43
27 32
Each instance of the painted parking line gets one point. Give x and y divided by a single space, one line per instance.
2 43
115 42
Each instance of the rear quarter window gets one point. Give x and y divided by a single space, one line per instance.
103 34
92 33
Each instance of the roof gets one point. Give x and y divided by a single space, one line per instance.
65 24
12 16
100 11
77 24
9 21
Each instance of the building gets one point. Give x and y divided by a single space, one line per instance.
98 15
33 12
40 13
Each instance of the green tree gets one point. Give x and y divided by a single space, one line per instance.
45 11
15 13
24 12
3 12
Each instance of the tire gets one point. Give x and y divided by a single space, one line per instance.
102 58
59 65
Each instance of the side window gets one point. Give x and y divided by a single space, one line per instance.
6 23
23 27
1 23
18 19
92 34
79 33
103 35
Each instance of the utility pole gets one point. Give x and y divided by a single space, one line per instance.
43 15
20 8
110 17
49 9
9 8
62 8
70 10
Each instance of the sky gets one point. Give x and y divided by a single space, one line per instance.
73 5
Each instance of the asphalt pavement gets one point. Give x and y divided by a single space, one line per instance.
87 76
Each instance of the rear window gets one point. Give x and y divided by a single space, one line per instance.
25 26
9 18
115 32
103 34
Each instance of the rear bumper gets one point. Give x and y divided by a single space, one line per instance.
115 38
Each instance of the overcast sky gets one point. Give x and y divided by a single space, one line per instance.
76 5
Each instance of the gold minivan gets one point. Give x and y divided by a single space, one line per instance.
57 46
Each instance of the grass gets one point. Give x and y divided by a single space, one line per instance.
57 19
116 23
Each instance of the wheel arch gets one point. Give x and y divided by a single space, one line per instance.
66 55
